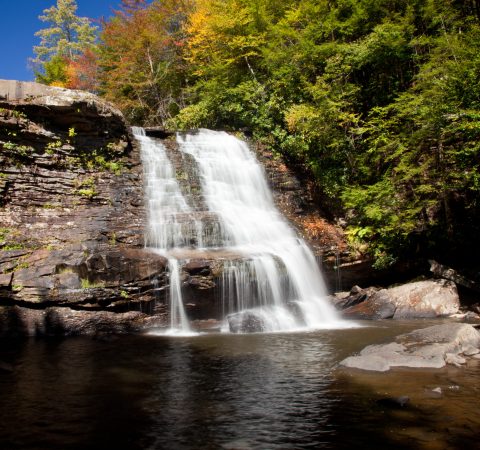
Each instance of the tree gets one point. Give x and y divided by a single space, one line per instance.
67 37
143 71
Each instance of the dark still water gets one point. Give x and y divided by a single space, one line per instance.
276 391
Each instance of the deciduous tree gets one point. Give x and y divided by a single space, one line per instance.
67 37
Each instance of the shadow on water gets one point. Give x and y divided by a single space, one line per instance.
223 392
18 322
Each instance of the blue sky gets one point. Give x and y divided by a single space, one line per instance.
18 24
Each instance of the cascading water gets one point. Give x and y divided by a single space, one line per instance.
281 268
165 204
274 277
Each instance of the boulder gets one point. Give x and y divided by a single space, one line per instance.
431 347
245 322
420 299
441 271
423 299
377 305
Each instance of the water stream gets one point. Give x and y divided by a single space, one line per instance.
274 277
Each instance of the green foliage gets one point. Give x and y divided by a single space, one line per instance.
4 232
86 188
7 113
52 147
378 99
54 72
16 152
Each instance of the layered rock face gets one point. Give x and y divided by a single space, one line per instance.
71 206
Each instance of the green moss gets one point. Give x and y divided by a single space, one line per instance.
86 188
4 232
17 151
12 113
87 284
52 147
88 193
14 246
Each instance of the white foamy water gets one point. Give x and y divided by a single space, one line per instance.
165 205
274 277
281 276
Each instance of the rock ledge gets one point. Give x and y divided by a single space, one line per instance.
431 347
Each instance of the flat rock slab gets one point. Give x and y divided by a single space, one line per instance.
431 347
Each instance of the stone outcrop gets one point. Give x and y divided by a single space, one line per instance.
72 218
431 347
447 273
420 299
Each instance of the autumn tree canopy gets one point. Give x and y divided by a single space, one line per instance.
378 100
141 57
63 46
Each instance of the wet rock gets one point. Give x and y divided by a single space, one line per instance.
245 322
198 267
456 360
471 316
355 296
470 350
377 305
420 299
431 347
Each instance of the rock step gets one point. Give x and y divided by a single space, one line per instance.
187 176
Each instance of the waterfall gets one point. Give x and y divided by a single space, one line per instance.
165 205
275 278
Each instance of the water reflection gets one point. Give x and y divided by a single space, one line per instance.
278 391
